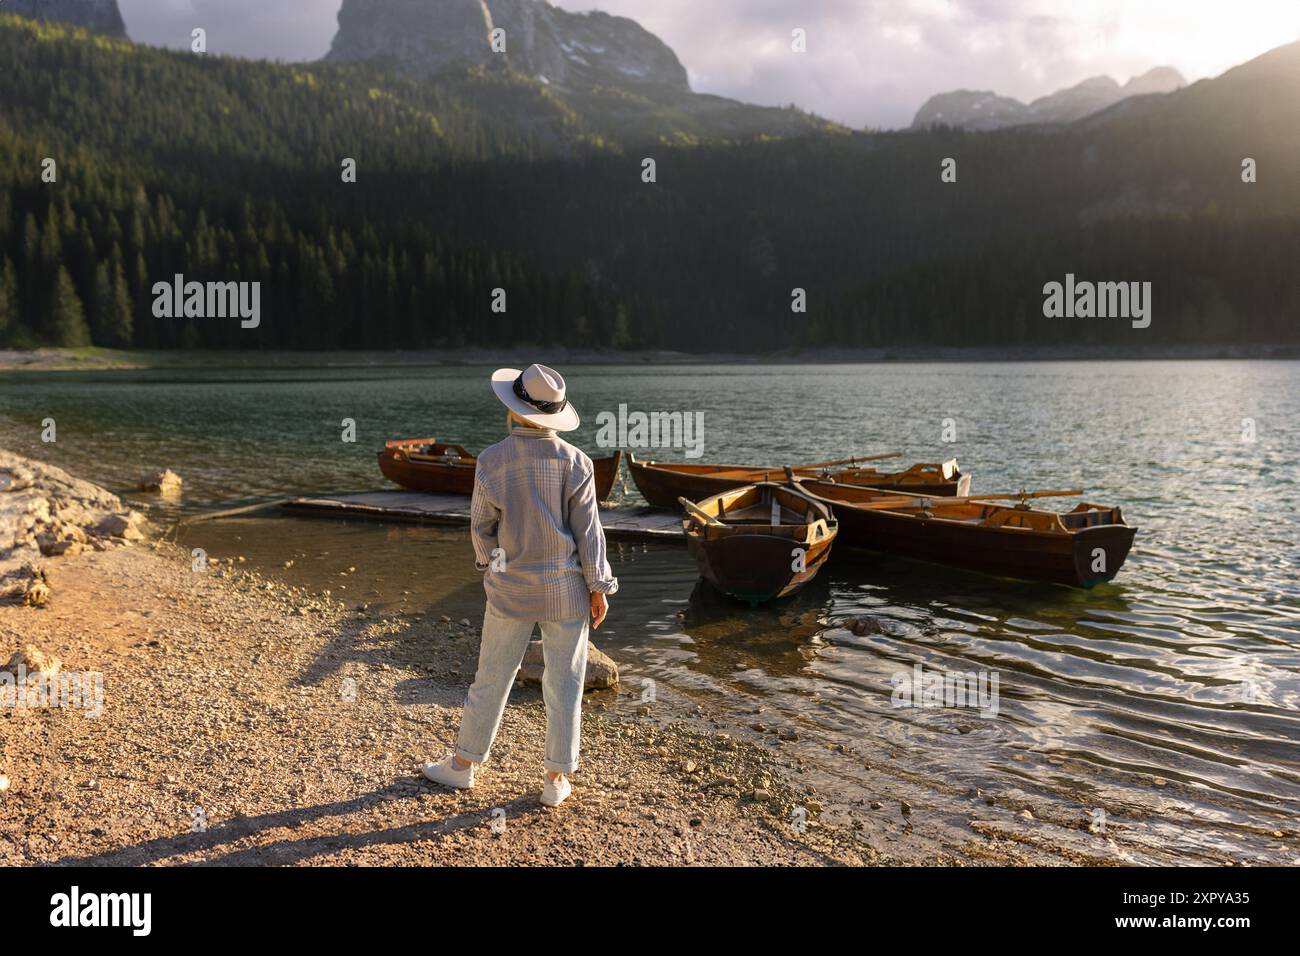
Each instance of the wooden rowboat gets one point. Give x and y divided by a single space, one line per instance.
1083 547
759 542
941 479
428 465
662 483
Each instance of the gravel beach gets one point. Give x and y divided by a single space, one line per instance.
244 721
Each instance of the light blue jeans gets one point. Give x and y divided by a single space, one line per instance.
505 640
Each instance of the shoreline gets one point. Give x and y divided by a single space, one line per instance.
226 704
225 695
101 359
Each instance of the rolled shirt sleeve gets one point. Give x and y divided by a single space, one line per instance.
588 534
484 520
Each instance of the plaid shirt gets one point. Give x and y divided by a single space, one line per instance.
535 500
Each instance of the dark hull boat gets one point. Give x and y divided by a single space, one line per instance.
425 464
1083 547
759 542
662 483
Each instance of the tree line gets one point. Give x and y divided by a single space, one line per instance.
231 170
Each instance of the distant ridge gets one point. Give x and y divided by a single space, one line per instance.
986 110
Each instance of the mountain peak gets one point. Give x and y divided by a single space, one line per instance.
986 110
1097 83
970 109
575 51
102 16
1160 79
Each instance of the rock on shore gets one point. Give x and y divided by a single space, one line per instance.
602 672
47 513
31 660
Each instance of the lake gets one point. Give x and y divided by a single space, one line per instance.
1168 698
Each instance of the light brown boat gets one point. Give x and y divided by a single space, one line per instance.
662 483
428 465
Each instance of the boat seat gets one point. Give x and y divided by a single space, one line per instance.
1005 518
1087 519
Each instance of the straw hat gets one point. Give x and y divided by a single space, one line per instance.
537 395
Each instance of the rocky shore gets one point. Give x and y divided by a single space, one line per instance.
242 721
47 513
198 712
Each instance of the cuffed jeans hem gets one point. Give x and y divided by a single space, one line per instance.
555 767
464 754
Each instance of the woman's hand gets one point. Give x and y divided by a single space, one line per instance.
599 608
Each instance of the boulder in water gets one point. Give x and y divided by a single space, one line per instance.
863 624
162 480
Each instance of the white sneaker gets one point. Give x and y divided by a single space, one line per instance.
448 774
554 792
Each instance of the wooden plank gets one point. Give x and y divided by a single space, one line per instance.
698 512
453 510
230 512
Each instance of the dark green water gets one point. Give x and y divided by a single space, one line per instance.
1167 698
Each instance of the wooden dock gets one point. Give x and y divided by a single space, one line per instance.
623 521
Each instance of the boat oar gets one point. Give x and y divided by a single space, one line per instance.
849 461
926 501
1022 494
695 511
898 499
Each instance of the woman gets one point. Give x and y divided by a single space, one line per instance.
538 540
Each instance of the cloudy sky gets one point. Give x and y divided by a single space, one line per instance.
869 62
